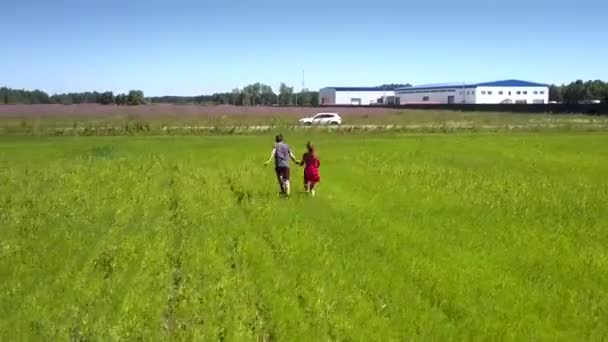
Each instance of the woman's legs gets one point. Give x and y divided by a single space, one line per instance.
311 188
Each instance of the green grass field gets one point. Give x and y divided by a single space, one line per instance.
411 237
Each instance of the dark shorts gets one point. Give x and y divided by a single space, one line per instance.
282 172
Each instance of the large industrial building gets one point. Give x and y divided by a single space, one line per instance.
354 95
505 92
508 91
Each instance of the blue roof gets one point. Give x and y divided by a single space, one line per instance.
361 88
438 86
511 83
505 83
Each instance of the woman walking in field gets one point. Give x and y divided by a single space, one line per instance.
311 170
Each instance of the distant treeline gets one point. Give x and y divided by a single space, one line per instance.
258 94
20 96
251 95
579 91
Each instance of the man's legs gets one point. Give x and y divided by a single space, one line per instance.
280 179
283 178
286 184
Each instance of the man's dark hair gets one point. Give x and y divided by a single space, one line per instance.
279 138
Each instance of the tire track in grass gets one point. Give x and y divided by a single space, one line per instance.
243 251
176 219
97 277
199 309
295 306
219 272
262 324
217 294
281 260
140 312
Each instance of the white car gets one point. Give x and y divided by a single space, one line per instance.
322 119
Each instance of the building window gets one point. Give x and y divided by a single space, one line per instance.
509 93
500 92
525 93
483 92
425 98
473 92
518 92
489 92
535 92
538 101
521 101
542 92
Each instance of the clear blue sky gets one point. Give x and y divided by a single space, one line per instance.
193 47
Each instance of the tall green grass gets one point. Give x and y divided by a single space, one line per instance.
427 237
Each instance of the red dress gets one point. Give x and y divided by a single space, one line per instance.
311 171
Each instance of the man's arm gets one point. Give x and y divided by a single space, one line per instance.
293 157
274 150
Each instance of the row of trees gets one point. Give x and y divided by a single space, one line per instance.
256 94
9 96
259 94
20 96
579 91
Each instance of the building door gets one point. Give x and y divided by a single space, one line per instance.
451 99
355 101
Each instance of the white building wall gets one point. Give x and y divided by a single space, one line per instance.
528 95
479 95
327 96
365 97
436 96
470 95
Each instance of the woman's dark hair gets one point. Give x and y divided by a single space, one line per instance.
279 138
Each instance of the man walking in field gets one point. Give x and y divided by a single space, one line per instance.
281 154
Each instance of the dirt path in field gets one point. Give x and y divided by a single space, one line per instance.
429 127
451 126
